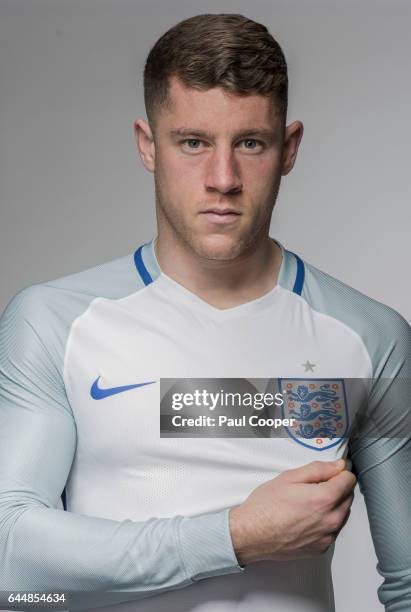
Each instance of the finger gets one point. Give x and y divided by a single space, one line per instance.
333 520
347 516
314 472
340 487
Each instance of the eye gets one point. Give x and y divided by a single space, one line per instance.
191 143
252 144
195 144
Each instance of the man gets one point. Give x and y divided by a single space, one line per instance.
244 524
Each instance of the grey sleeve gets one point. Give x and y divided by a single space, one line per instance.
381 456
44 548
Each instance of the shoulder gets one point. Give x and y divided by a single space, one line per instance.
67 296
384 331
37 320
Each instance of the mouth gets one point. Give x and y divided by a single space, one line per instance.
221 215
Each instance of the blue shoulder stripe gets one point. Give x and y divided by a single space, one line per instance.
64 499
299 278
141 268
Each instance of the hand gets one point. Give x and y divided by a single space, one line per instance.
296 515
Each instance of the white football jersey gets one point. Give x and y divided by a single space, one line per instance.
145 521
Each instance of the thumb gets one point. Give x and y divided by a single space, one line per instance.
316 471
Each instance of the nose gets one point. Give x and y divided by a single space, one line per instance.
223 172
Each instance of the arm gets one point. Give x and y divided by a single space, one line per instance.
43 548
381 456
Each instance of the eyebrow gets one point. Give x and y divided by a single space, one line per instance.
262 132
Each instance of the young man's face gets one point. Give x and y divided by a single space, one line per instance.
218 160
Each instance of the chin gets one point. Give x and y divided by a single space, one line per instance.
217 247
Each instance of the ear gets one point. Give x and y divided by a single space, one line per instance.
145 144
292 139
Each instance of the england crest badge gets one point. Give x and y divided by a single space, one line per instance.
319 407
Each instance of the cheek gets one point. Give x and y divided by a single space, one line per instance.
178 168
260 178
177 187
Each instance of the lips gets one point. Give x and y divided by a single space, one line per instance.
221 215
221 211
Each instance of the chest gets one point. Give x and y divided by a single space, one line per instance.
118 357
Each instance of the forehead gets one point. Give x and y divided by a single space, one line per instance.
216 107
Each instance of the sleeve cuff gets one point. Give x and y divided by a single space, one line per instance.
206 546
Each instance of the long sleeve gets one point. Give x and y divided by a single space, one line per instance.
381 456
44 548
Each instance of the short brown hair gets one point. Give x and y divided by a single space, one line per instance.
226 50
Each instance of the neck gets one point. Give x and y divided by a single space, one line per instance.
223 284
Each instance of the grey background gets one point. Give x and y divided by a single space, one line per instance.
73 192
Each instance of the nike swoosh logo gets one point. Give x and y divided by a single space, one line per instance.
98 393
